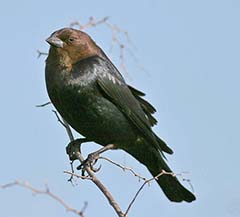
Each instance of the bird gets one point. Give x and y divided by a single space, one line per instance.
91 95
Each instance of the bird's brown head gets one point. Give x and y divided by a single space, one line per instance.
71 46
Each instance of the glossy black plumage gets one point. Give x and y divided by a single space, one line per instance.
92 96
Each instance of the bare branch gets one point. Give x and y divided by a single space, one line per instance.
61 120
68 129
72 171
163 172
92 22
184 179
92 176
48 193
76 175
43 105
124 168
40 53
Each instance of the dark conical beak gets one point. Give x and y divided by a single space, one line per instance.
55 42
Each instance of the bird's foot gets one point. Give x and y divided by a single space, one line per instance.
90 162
92 159
73 148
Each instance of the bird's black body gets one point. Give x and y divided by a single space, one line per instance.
101 121
95 100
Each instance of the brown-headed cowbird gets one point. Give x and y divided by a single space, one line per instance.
92 96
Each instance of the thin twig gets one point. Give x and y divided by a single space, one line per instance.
76 175
43 105
91 174
40 53
92 22
62 121
184 179
48 193
124 168
163 172
72 170
69 131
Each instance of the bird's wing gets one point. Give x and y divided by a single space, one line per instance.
146 106
120 94
148 109
128 99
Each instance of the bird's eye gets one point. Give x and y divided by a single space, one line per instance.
71 39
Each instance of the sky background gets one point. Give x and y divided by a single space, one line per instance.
190 51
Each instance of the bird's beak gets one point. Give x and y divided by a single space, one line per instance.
55 42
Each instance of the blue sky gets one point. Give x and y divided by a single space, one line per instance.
191 52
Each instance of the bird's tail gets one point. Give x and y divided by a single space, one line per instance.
155 163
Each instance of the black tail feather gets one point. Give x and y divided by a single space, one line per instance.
155 163
174 190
